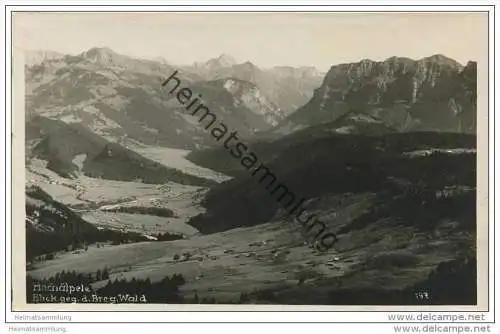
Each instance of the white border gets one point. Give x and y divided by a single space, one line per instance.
347 317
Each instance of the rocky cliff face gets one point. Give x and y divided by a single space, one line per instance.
251 97
239 104
433 93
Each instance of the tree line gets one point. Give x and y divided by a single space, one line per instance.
144 210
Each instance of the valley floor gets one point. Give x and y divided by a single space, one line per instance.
268 257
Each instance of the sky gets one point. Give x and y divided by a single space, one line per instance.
265 39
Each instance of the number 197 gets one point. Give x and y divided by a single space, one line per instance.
422 295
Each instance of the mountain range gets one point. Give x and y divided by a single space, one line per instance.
382 152
288 87
120 99
118 96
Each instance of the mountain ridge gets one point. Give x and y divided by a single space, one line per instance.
121 97
429 91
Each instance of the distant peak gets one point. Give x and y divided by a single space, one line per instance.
35 57
103 55
99 50
224 60
248 64
471 63
398 59
442 60
227 58
437 56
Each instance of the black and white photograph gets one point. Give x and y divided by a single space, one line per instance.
307 159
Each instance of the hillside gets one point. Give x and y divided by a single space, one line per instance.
52 227
252 110
391 166
70 149
403 206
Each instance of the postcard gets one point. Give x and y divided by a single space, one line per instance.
250 161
